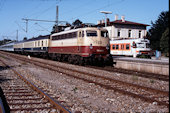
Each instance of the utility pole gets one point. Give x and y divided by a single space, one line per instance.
26 19
56 21
56 18
26 25
106 12
17 36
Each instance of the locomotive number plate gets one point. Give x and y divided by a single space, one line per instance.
98 42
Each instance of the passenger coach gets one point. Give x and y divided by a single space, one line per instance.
8 47
130 47
33 46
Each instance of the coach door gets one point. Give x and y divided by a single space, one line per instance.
122 49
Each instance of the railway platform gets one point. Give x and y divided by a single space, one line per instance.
153 65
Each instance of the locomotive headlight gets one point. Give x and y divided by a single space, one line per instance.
91 46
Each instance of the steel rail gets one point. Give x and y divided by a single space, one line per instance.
148 99
55 104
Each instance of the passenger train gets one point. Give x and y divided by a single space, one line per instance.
8 47
130 47
78 46
87 45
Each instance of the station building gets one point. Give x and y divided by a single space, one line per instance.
123 29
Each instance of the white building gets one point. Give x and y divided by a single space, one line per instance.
122 29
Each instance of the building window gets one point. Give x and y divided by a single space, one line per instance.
129 33
139 34
118 33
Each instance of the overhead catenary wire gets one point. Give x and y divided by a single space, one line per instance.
97 9
42 27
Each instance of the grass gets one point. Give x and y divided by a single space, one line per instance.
152 81
135 78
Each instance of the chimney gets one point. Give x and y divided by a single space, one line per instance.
108 20
123 18
103 21
98 22
116 17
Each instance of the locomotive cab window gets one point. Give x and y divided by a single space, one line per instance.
91 33
140 45
104 34
147 45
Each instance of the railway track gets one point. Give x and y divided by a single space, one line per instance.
137 91
23 95
136 73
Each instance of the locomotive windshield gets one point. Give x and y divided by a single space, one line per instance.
143 45
140 45
147 45
104 34
91 33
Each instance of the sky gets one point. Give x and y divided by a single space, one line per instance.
12 13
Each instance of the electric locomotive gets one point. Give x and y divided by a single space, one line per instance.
81 45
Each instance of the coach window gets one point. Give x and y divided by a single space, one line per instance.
70 35
74 34
117 46
127 46
113 47
42 43
35 44
46 42
38 43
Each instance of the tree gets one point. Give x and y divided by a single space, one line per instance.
60 28
164 42
77 23
25 38
2 42
157 29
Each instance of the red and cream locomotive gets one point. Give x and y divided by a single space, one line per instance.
80 45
